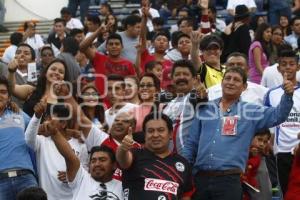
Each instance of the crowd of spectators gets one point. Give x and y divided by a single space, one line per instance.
104 108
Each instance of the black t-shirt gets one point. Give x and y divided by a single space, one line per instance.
151 177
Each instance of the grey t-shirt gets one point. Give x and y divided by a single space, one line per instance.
129 51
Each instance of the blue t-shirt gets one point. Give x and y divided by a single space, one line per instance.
14 153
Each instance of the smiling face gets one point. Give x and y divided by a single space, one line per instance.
114 47
147 89
232 85
56 72
157 136
90 97
183 80
120 126
101 166
212 55
131 88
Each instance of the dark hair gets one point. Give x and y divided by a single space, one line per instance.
131 20
25 25
185 64
31 49
149 66
238 54
114 36
108 7
60 20
161 33
181 35
32 193
294 19
158 21
70 45
94 19
99 109
287 51
266 46
16 38
156 81
275 27
174 38
263 133
115 77
4 81
212 9
238 70
135 12
105 149
184 9
41 87
211 38
65 10
75 31
114 27
155 116
189 20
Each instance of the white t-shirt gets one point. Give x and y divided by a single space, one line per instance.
95 137
36 42
85 187
272 78
110 117
74 23
286 133
231 4
154 13
50 161
253 94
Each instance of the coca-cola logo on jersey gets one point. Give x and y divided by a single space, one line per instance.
161 185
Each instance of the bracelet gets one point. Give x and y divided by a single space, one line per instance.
12 70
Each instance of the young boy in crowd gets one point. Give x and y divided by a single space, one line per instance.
256 177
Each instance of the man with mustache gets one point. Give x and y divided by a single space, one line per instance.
189 92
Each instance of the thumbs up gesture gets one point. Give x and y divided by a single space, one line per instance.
288 85
200 88
128 141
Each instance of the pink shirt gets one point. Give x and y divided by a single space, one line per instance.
254 75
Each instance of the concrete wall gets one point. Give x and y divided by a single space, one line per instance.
20 10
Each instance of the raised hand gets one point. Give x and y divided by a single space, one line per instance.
200 88
288 85
40 108
196 37
13 65
127 142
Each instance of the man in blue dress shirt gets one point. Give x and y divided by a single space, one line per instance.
221 133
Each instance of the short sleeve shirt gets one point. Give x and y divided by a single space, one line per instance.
151 177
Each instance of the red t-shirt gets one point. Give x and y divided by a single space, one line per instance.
146 57
293 191
103 66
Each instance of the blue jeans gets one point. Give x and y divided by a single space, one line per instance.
218 188
84 8
9 187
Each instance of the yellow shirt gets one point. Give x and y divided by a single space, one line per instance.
211 76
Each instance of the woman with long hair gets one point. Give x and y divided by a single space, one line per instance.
259 52
148 90
92 105
56 71
277 41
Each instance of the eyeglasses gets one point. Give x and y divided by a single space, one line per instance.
146 85
90 94
103 193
